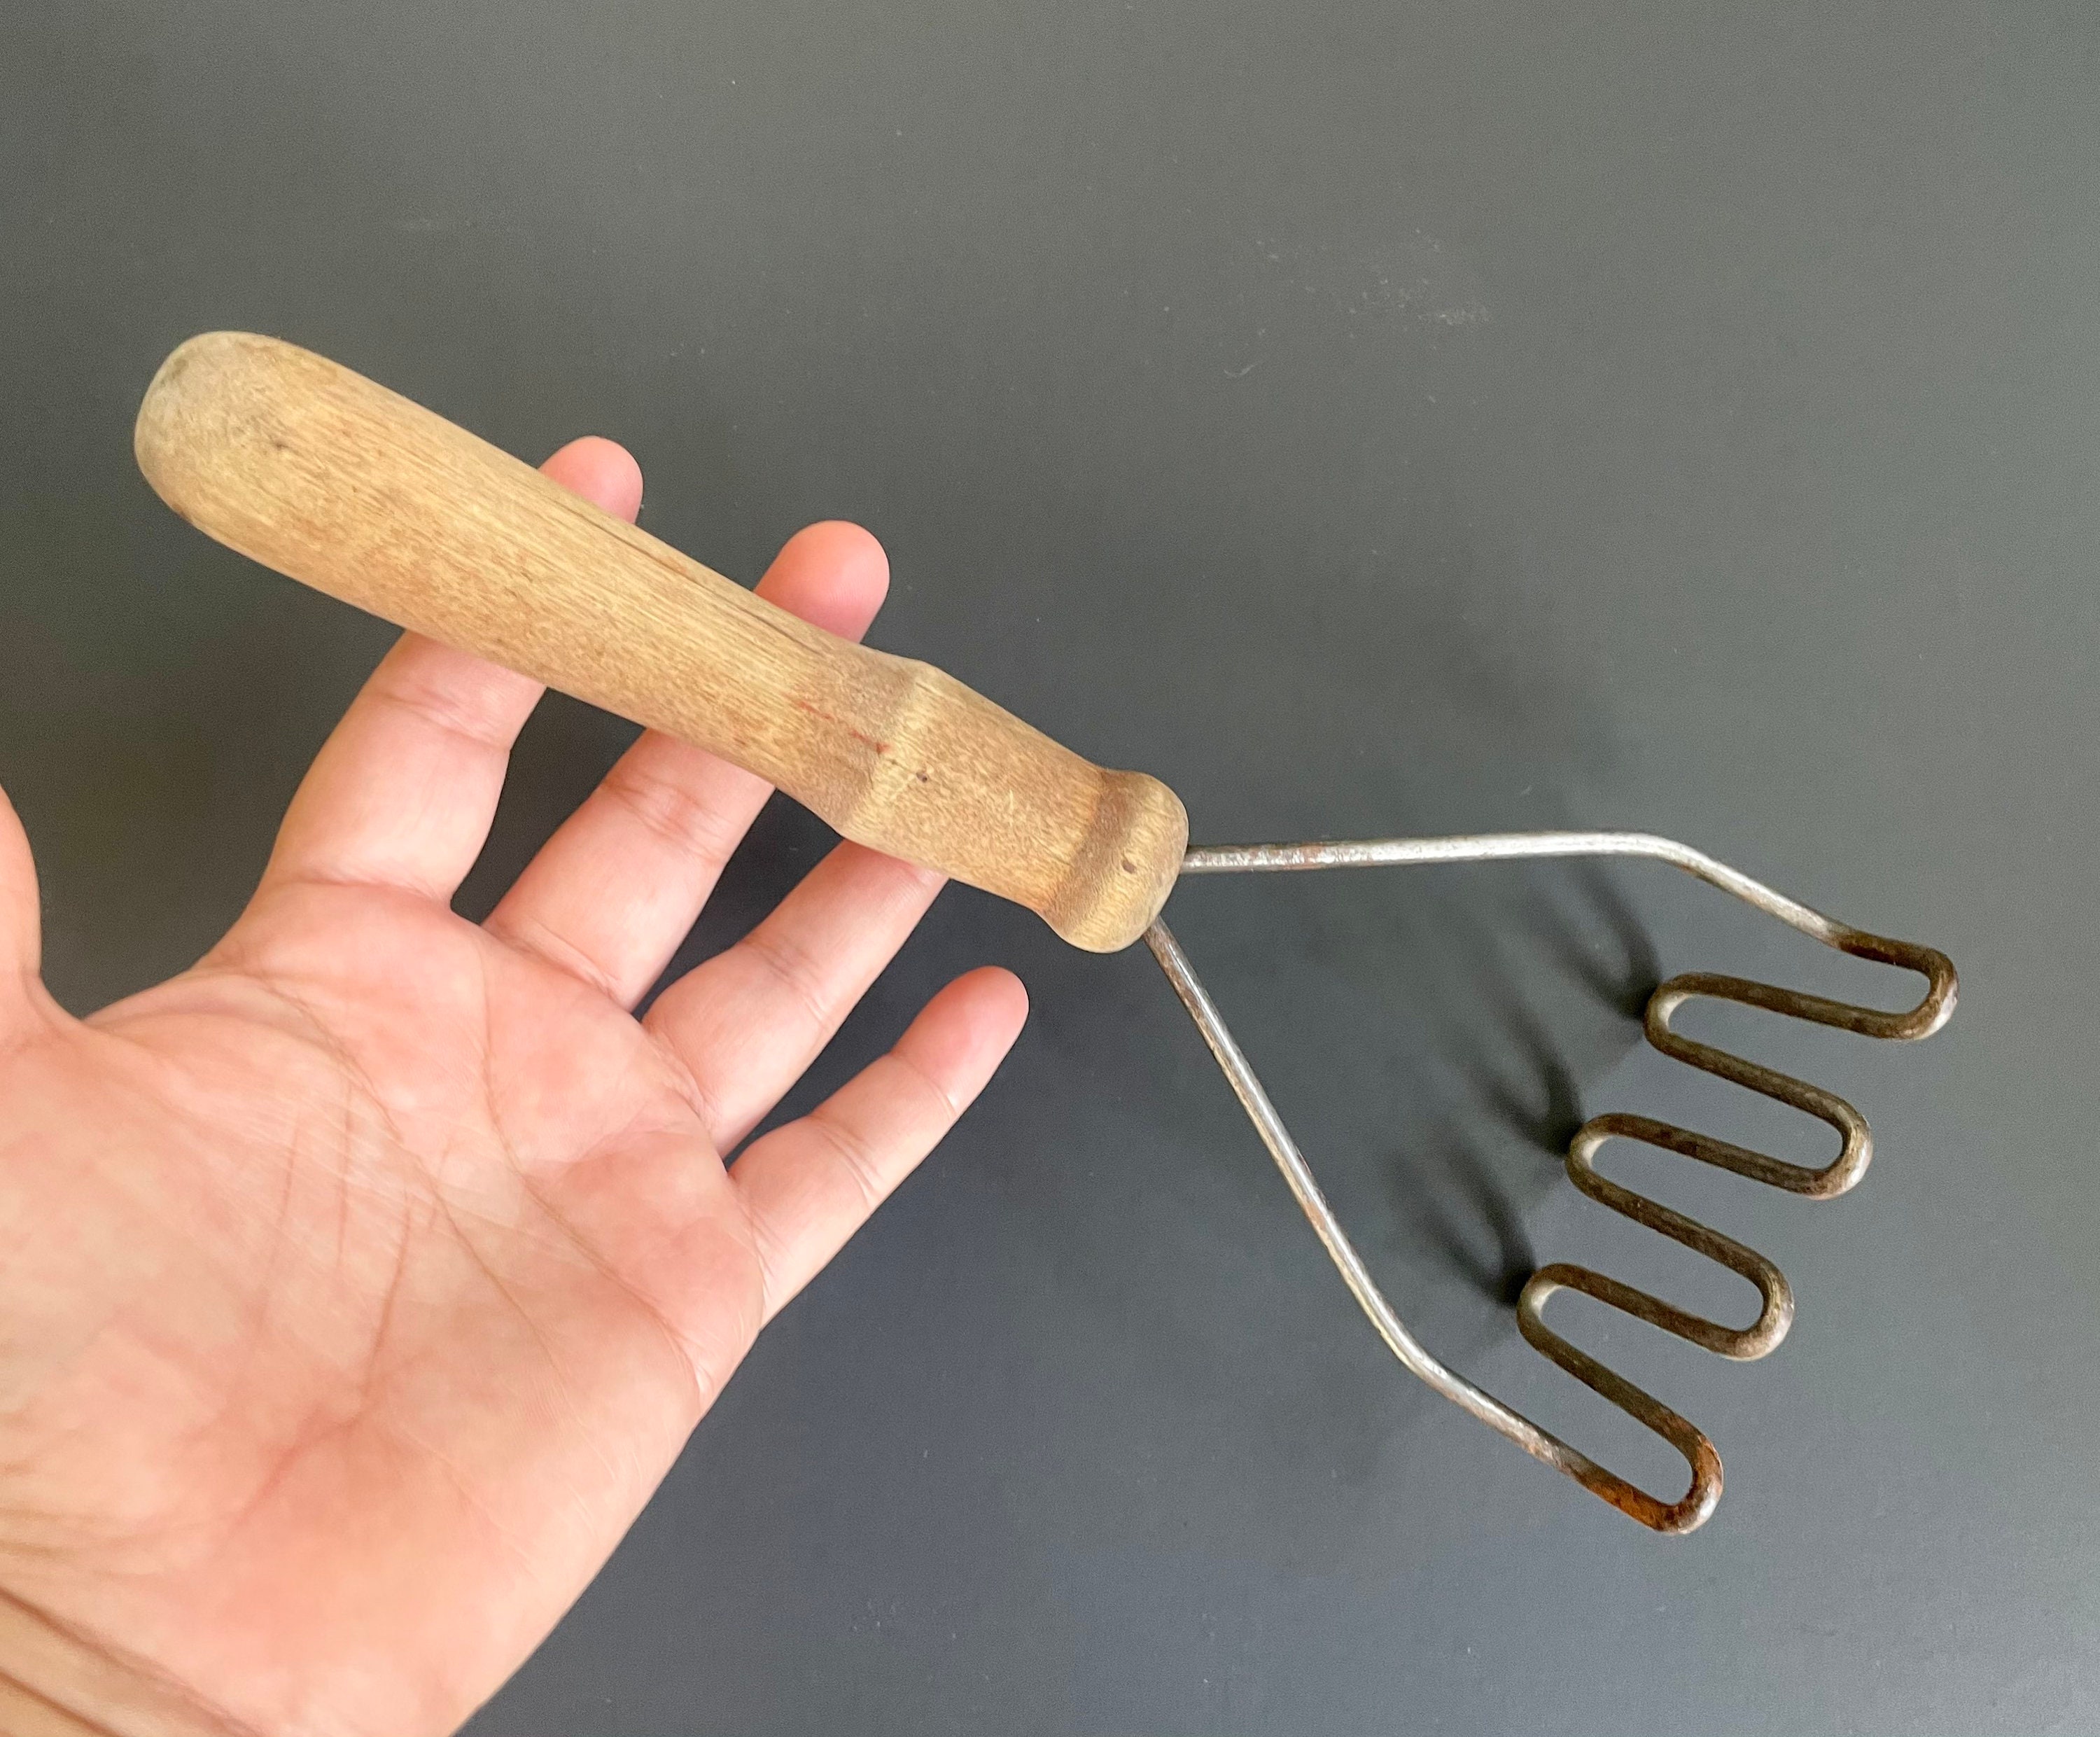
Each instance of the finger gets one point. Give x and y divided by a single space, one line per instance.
403 790
21 930
610 896
808 1186
748 1022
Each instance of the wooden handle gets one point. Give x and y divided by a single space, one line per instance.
346 487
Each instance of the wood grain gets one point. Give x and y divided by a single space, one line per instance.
333 480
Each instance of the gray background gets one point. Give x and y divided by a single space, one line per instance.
1370 417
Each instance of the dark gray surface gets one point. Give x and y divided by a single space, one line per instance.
1368 417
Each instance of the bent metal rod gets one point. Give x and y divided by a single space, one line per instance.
1775 1312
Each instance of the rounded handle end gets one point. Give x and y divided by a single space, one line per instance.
184 420
1126 866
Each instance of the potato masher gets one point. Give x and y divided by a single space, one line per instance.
334 481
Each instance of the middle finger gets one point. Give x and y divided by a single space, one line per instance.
612 893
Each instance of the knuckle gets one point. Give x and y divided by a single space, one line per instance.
444 709
945 1107
855 1156
670 810
794 971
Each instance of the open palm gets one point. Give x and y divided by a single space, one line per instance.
357 1285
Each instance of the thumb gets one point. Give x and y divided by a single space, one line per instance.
20 932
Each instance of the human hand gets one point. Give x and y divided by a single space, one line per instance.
357 1285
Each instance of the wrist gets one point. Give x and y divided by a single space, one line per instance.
55 1682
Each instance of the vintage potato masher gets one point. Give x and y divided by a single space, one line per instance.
314 470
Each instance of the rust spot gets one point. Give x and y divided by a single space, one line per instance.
861 737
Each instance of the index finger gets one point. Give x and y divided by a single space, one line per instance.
403 792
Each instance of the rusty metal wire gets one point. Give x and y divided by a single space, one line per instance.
1776 1313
